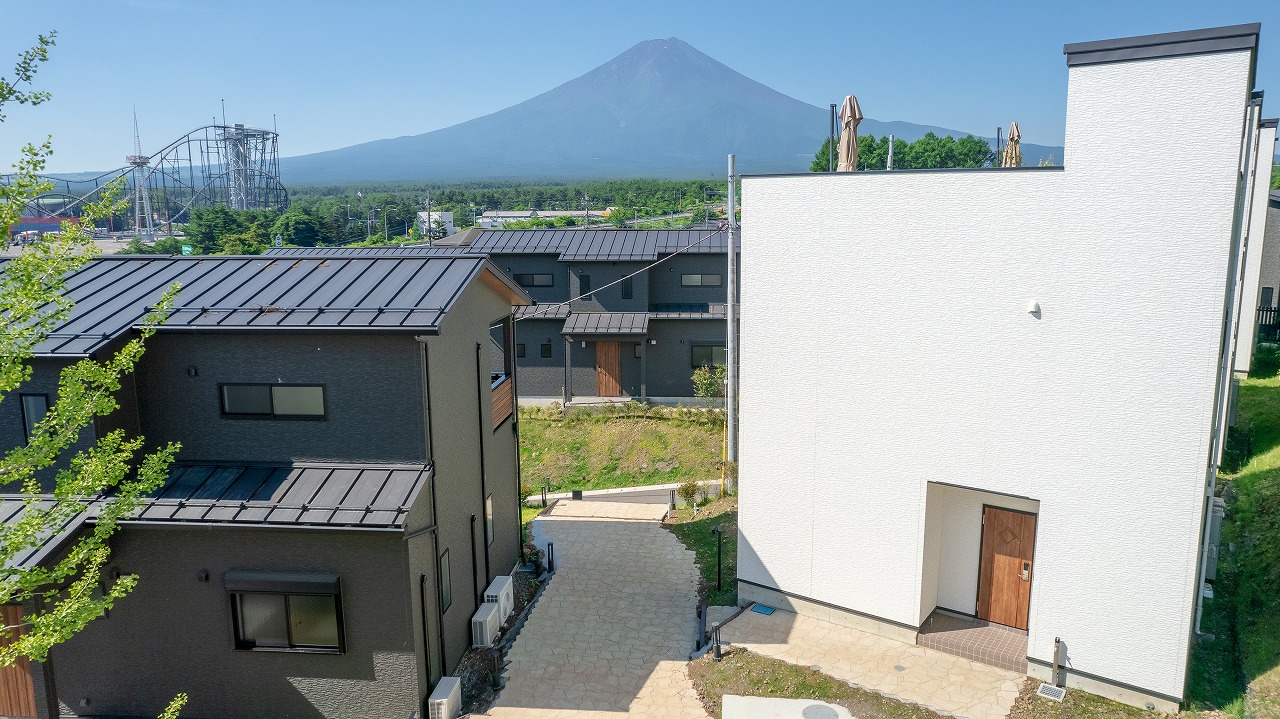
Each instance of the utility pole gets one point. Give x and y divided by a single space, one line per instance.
731 312
586 211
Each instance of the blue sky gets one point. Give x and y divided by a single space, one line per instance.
337 73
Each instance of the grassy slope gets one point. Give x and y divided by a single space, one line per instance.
1245 614
743 673
695 533
601 452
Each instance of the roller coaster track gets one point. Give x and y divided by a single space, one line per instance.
230 165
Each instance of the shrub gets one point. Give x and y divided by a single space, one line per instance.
708 381
688 491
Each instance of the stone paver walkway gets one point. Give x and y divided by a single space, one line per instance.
923 676
611 634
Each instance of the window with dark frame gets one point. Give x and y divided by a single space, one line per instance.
705 355
443 581
34 408
288 622
637 350
584 286
519 350
700 280
273 401
534 280
1268 294
545 350
627 288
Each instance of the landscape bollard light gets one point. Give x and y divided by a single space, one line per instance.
545 488
551 557
673 500
715 642
719 532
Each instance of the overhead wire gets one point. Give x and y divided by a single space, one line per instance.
541 310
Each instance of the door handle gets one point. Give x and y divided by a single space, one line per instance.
1026 571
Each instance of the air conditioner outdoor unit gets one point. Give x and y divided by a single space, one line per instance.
446 701
484 625
501 592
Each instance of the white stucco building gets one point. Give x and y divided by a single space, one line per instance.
996 396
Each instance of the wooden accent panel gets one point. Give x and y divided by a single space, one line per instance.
17 695
608 369
1004 570
503 402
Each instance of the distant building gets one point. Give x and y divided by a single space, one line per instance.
426 220
497 219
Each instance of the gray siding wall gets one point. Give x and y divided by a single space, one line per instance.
373 396
539 376
174 633
537 264
44 380
609 299
1271 255
664 280
457 451
670 361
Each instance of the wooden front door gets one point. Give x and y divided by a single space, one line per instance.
608 369
1004 570
17 695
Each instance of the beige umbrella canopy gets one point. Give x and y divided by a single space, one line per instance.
1013 151
850 116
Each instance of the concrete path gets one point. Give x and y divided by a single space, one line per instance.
611 634
948 684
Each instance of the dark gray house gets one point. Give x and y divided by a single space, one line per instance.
642 337
347 485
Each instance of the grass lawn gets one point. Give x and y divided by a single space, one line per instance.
695 533
617 448
742 673
1075 705
1244 616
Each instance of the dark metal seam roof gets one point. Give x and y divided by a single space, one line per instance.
113 294
606 323
1169 44
398 251
363 496
13 508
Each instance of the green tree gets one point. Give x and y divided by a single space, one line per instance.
73 591
208 225
1275 177
929 151
297 228
708 381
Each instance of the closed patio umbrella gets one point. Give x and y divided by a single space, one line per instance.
1013 151
850 116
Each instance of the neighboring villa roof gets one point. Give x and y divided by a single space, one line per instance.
570 245
382 251
600 245
606 323
1274 200
1169 44
548 312
412 293
361 496
13 507
365 496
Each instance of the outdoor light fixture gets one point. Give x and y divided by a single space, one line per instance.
202 575
1033 307
584 343
653 342
193 371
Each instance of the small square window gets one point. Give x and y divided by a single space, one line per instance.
706 355
287 401
627 288
1268 294
545 350
519 349
250 399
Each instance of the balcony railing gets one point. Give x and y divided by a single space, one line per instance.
1269 324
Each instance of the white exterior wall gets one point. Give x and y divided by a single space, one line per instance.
1254 244
886 343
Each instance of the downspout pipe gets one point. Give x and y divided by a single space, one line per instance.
435 515
480 429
